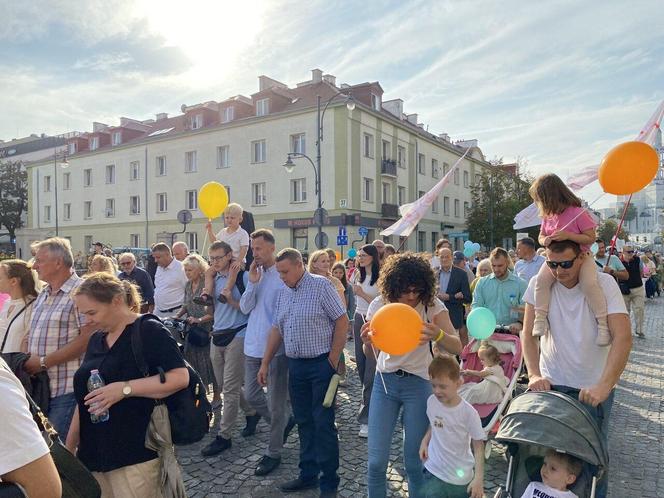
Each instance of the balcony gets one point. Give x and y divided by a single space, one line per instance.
389 211
388 167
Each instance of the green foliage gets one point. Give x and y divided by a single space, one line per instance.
13 195
631 212
607 229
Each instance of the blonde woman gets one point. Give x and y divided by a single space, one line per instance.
483 269
19 281
319 264
103 263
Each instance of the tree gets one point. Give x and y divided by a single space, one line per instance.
630 214
13 195
607 229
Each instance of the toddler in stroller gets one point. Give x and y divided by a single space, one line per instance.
558 472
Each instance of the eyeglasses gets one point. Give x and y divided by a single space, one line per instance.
629 252
213 259
413 290
565 265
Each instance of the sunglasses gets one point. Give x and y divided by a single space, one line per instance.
565 265
629 252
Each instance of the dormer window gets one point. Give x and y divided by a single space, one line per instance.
117 138
94 143
196 121
71 148
229 114
375 102
262 107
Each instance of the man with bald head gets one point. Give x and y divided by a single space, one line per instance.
453 287
180 250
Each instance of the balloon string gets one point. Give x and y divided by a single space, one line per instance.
582 211
622 219
204 241
382 379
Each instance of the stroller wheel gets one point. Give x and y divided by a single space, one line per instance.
487 449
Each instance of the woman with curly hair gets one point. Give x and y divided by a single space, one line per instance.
405 278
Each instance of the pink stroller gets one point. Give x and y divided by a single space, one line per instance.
509 347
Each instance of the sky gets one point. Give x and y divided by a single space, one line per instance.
554 84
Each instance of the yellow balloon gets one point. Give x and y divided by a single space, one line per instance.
212 199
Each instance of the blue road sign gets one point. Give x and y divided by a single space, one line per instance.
342 231
363 231
342 240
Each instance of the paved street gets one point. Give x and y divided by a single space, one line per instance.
636 440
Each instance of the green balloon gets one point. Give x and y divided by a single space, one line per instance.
481 323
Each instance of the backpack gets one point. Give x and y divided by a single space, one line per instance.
189 410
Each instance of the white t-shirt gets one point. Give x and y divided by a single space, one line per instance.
452 429
568 353
20 439
17 336
236 240
417 361
361 305
169 284
541 490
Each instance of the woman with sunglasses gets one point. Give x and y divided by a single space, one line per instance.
402 382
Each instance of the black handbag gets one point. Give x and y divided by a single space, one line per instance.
624 289
222 338
77 481
197 336
189 410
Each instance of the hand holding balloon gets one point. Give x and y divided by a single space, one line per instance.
396 329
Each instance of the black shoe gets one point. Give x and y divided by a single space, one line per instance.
298 485
328 494
289 427
217 446
250 428
266 465
203 300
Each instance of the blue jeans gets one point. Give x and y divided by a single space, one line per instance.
411 393
601 415
60 412
435 488
308 380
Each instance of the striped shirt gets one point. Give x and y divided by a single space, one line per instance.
305 316
55 323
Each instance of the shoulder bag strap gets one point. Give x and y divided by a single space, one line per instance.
41 419
137 347
4 341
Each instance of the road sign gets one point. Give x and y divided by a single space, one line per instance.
343 203
319 216
184 216
321 240
363 231
342 240
342 231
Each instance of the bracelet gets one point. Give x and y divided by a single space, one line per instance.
441 334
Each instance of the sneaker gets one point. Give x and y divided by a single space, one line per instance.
203 300
289 427
541 325
364 431
266 465
298 485
250 428
217 446
603 335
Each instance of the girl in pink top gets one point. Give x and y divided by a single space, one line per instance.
563 218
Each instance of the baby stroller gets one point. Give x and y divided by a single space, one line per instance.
509 347
538 420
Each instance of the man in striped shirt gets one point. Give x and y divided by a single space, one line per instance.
57 339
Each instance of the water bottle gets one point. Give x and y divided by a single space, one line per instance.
514 314
95 382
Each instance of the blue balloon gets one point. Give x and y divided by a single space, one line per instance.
481 323
594 248
476 246
352 253
468 252
468 243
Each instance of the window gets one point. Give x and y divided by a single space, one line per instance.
192 240
258 197
87 210
386 149
134 240
375 102
110 208
66 181
191 197
368 145
420 194
421 164
298 144
116 138
456 176
446 168
466 209
299 190
434 240
228 114
67 212
94 143
367 191
87 242
223 156
446 206
134 170
196 122
87 177
301 239
434 206
110 173
434 168
262 107
162 203
401 156
466 179
401 193
387 193
190 162
457 208
71 148
258 151
421 241
478 178
161 166
134 204
47 214
47 183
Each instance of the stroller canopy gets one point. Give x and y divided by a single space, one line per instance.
553 420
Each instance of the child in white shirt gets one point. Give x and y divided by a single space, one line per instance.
451 471
493 385
559 471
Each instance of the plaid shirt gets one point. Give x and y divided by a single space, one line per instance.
306 314
55 323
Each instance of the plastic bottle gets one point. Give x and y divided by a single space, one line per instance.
95 382
514 314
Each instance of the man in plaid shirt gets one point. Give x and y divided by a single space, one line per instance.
57 339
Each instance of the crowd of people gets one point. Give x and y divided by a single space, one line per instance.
267 331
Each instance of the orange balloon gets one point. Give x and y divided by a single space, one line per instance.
337 255
396 328
628 168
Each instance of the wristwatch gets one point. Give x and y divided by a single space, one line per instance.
126 390
42 362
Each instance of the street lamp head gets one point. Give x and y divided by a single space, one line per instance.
350 103
289 164
64 164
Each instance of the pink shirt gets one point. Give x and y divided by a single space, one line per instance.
551 224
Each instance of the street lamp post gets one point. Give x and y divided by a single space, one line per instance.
290 165
64 164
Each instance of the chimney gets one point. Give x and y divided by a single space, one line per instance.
345 85
161 116
316 76
97 127
412 119
394 107
444 136
332 80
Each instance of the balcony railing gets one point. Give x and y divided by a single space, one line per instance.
389 211
388 167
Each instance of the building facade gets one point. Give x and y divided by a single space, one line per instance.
124 185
